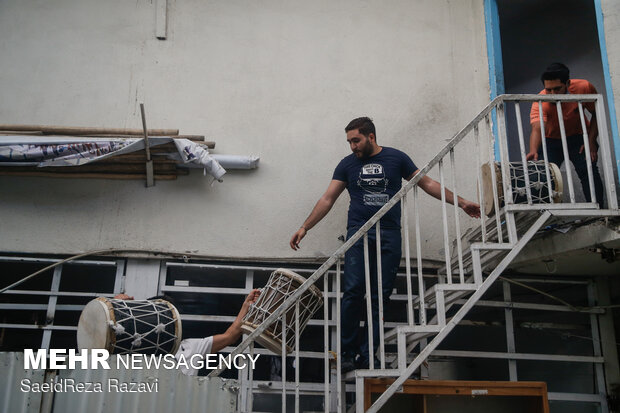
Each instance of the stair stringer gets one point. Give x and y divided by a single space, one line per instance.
432 345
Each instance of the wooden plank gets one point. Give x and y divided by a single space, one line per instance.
82 130
88 175
194 138
94 167
461 388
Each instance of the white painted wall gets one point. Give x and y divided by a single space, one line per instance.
275 79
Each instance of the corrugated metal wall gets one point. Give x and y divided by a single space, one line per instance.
175 391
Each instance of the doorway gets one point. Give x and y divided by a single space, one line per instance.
536 33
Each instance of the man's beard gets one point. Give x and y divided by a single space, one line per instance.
365 152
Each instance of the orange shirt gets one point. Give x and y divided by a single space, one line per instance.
570 110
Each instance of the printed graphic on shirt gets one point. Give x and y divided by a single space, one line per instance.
373 181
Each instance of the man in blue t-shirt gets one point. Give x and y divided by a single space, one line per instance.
372 174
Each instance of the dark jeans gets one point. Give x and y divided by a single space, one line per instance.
354 339
556 156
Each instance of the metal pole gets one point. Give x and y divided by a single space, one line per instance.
338 340
586 147
455 198
543 141
601 121
326 341
526 174
380 298
480 186
283 362
407 260
418 242
297 356
369 321
496 204
446 245
569 175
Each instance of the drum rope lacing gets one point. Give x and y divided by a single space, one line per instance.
129 313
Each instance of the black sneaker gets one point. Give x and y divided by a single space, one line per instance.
347 364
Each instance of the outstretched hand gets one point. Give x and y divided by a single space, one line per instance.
471 208
297 237
252 297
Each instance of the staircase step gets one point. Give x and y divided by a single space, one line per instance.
407 329
371 373
458 288
492 246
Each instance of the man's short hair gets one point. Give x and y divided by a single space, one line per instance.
556 71
363 124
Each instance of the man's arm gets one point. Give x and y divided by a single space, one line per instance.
232 334
433 188
322 207
592 135
535 142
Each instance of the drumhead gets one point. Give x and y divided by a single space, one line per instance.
556 175
487 186
178 330
93 331
293 275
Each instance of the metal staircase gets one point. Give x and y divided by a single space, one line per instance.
472 263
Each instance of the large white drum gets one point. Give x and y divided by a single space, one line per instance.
539 186
281 285
130 326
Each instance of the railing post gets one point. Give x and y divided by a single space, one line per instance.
569 175
380 297
283 363
297 356
587 154
444 217
610 186
480 186
506 182
526 174
543 142
418 243
404 213
457 222
326 398
496 204
339 383
369 321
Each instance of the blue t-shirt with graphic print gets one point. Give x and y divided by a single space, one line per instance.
372 182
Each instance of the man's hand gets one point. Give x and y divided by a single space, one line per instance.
593 151
251 298
531 156
471 208
297 237
123 297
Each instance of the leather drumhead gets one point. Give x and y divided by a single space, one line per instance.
556 176
93 331
487 186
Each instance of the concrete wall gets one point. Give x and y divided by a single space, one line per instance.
275 79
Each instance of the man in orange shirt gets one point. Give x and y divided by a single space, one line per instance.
556 81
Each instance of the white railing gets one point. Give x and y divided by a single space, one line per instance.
464 256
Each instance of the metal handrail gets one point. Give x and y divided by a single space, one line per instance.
401 194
